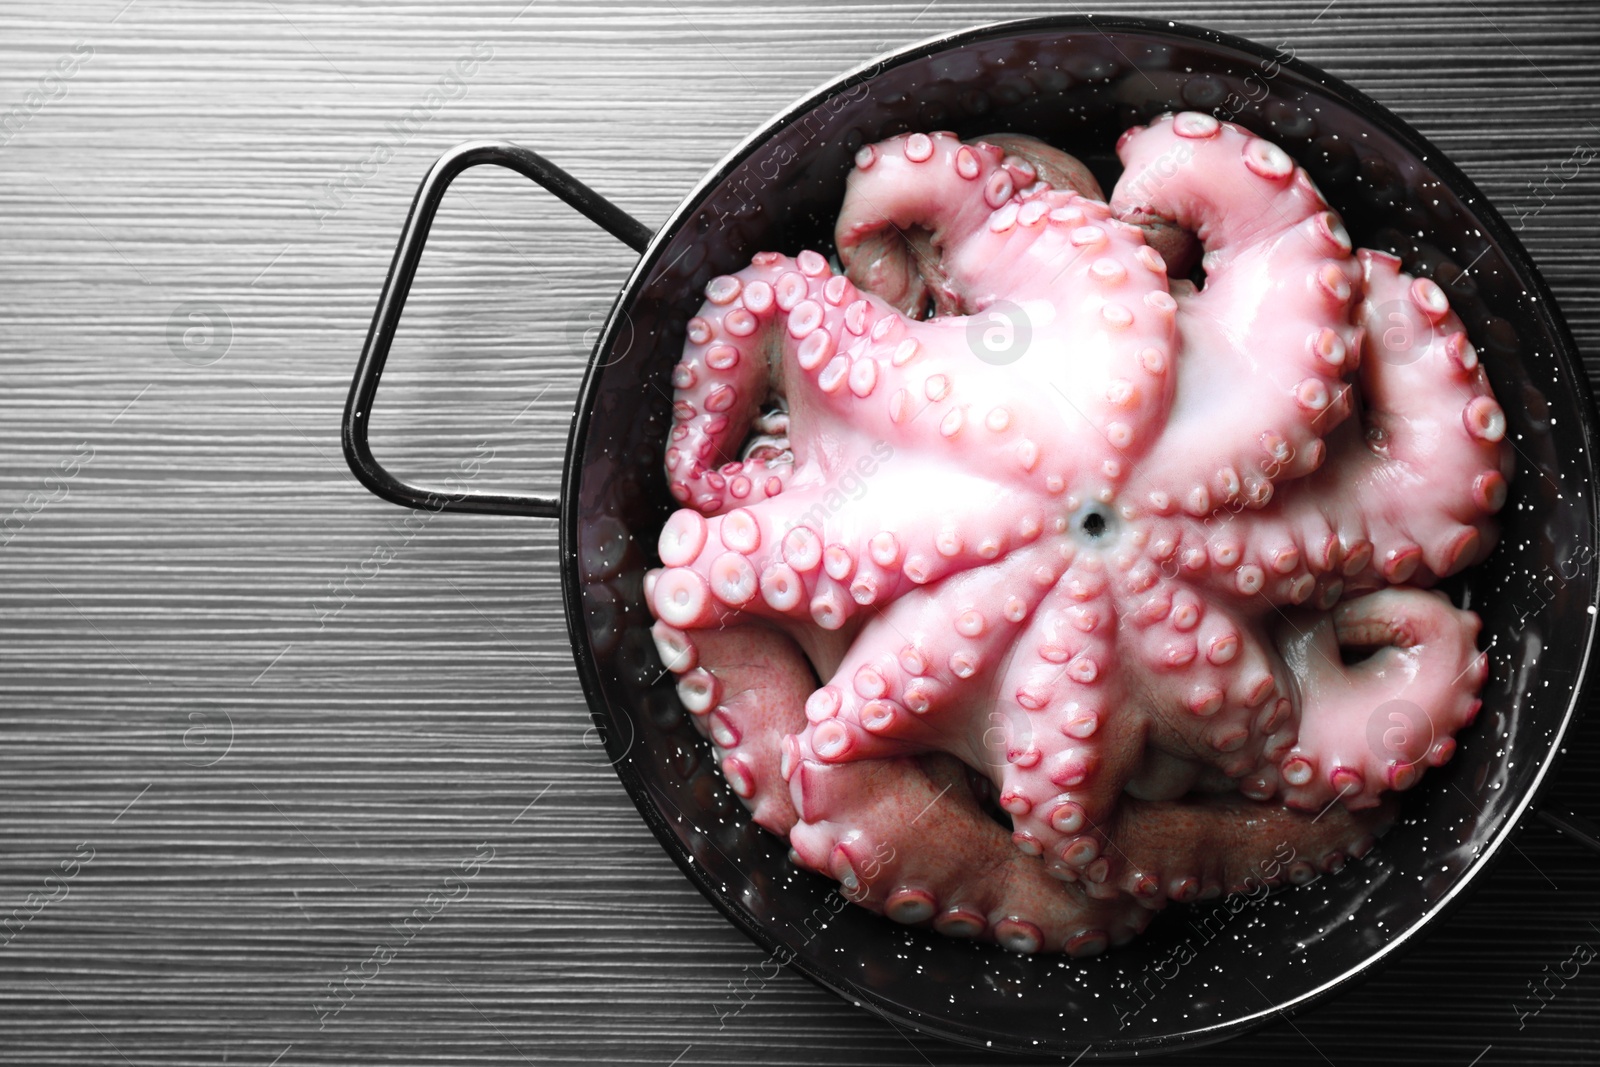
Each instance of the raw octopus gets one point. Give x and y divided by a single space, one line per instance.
1025 635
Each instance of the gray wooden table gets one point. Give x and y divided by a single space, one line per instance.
250 722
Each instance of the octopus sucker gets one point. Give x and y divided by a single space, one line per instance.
1028 587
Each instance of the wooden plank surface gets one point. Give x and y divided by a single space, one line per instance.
244 751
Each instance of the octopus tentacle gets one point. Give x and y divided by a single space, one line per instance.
1069 745
1435 414
917 384
1218 694
1107 357
906 838
750 326
1266 342
1375 724
917 671
1032 158
1410 491
1177 247
913 185
952 382
809 558
1201 849
744 688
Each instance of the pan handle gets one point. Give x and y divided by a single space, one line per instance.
392 301
1570 823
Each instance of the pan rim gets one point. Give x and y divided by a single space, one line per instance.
1483 212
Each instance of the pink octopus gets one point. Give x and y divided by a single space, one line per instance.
1146 584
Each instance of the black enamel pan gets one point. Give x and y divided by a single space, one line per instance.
1077 83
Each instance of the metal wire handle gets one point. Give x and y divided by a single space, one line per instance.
392 302
1570 823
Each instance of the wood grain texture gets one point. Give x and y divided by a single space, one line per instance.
269 787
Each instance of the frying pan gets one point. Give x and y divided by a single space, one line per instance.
1077 83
